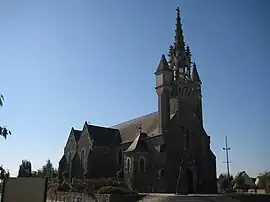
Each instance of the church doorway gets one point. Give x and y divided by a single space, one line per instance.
190 181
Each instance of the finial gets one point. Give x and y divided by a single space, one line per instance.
178 12
195 74
188 54
188 50
170 56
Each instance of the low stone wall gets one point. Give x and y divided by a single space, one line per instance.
69 196
82 197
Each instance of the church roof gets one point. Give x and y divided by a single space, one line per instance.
77 134
104 136
149 124
129 129
138 143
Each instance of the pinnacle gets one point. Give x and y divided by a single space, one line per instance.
195 74
163 65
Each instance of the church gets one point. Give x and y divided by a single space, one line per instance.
168 150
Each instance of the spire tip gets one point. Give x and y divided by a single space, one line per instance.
178 11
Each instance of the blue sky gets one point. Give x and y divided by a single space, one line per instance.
64 62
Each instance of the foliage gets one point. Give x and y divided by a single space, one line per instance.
101 182
1 100
123 190
79 186
25 169
65 187
4 175
264 179
223 181
46 171
65 175
4 132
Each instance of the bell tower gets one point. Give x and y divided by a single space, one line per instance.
178 86
186 84
164 76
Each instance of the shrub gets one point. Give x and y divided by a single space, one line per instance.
79 185
115 190
65 187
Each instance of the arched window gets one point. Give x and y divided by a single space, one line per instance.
142 165
128 165
83 156
120 156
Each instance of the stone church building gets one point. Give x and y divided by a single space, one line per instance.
165 151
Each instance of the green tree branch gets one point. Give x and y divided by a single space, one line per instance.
4 132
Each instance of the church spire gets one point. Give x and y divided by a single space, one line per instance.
179 37
179 49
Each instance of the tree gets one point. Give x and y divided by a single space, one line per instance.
264 179
25 169
49 171
3 130
46 171
223 181
4 175
1 100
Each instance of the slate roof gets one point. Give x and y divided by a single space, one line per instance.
123 132
63 159
163 65
77 134
104 136
149 124
129 130
138 143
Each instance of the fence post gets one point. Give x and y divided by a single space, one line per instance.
3 190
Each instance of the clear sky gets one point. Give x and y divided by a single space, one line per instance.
64 62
